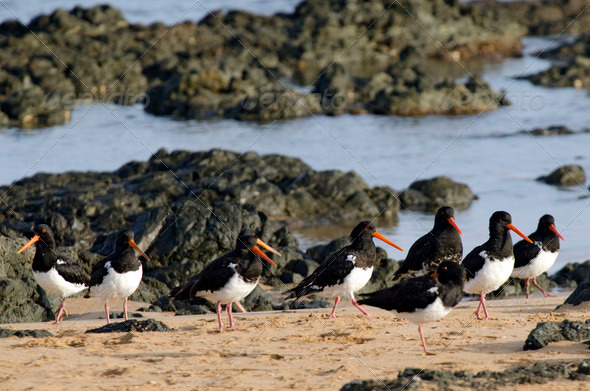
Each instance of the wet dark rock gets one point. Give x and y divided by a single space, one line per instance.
572 274
569 175
551 131
548 17
258 300
6 333
201 70
132 325
430 194
311 301
23 300
580 295
428 379
121 315
547 332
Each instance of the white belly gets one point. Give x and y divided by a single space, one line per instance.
490 277
355 281
118 285
540 264
52 282
234 290
434 311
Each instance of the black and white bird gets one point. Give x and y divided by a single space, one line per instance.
531 260
229 278
118 275
422 299
54 271
345 271
490 265
442 243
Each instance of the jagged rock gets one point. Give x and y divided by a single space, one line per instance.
569 175
580 295
546 332
430 194
5 333
516 286
132 325
429 379
200 70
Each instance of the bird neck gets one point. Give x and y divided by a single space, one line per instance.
500 241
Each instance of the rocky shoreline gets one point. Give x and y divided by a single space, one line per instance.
243 66
185 214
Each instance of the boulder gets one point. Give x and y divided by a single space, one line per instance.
569 175
430 194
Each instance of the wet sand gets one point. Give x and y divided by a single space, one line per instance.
278 350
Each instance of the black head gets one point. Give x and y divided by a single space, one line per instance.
449 271
246 242
123 239
547 224
43 237
500 219
366 229
45 234
444 217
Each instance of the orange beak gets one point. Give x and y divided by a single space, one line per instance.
513 228
452 222
381 237
31 242
134 245
554 230
434 274
266 246
262 255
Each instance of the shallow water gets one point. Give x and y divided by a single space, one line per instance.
393 151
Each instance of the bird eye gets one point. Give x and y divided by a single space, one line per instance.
444 268
367 227
44 230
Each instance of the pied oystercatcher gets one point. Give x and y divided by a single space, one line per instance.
490 265
345 271
530 260
118 274
442 243
54 271
422 299
229 278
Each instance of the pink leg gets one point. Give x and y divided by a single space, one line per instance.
526 283
483 304
354 303
544 292
333 314
125 308
423 341
478 311
218 308
229 308
240 306
60 311
106 310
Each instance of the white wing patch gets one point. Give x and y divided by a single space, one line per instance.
351 258
60 262
433 290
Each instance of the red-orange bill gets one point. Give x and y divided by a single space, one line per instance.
513 228
434 274
266 246
381 237
554 230
454 225
262 255
134 245
31 242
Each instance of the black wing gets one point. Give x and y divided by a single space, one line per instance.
524 252
70 270
331 272
213 277
422 250
473 262
405 296
99 272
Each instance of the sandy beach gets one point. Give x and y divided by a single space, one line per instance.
278 350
